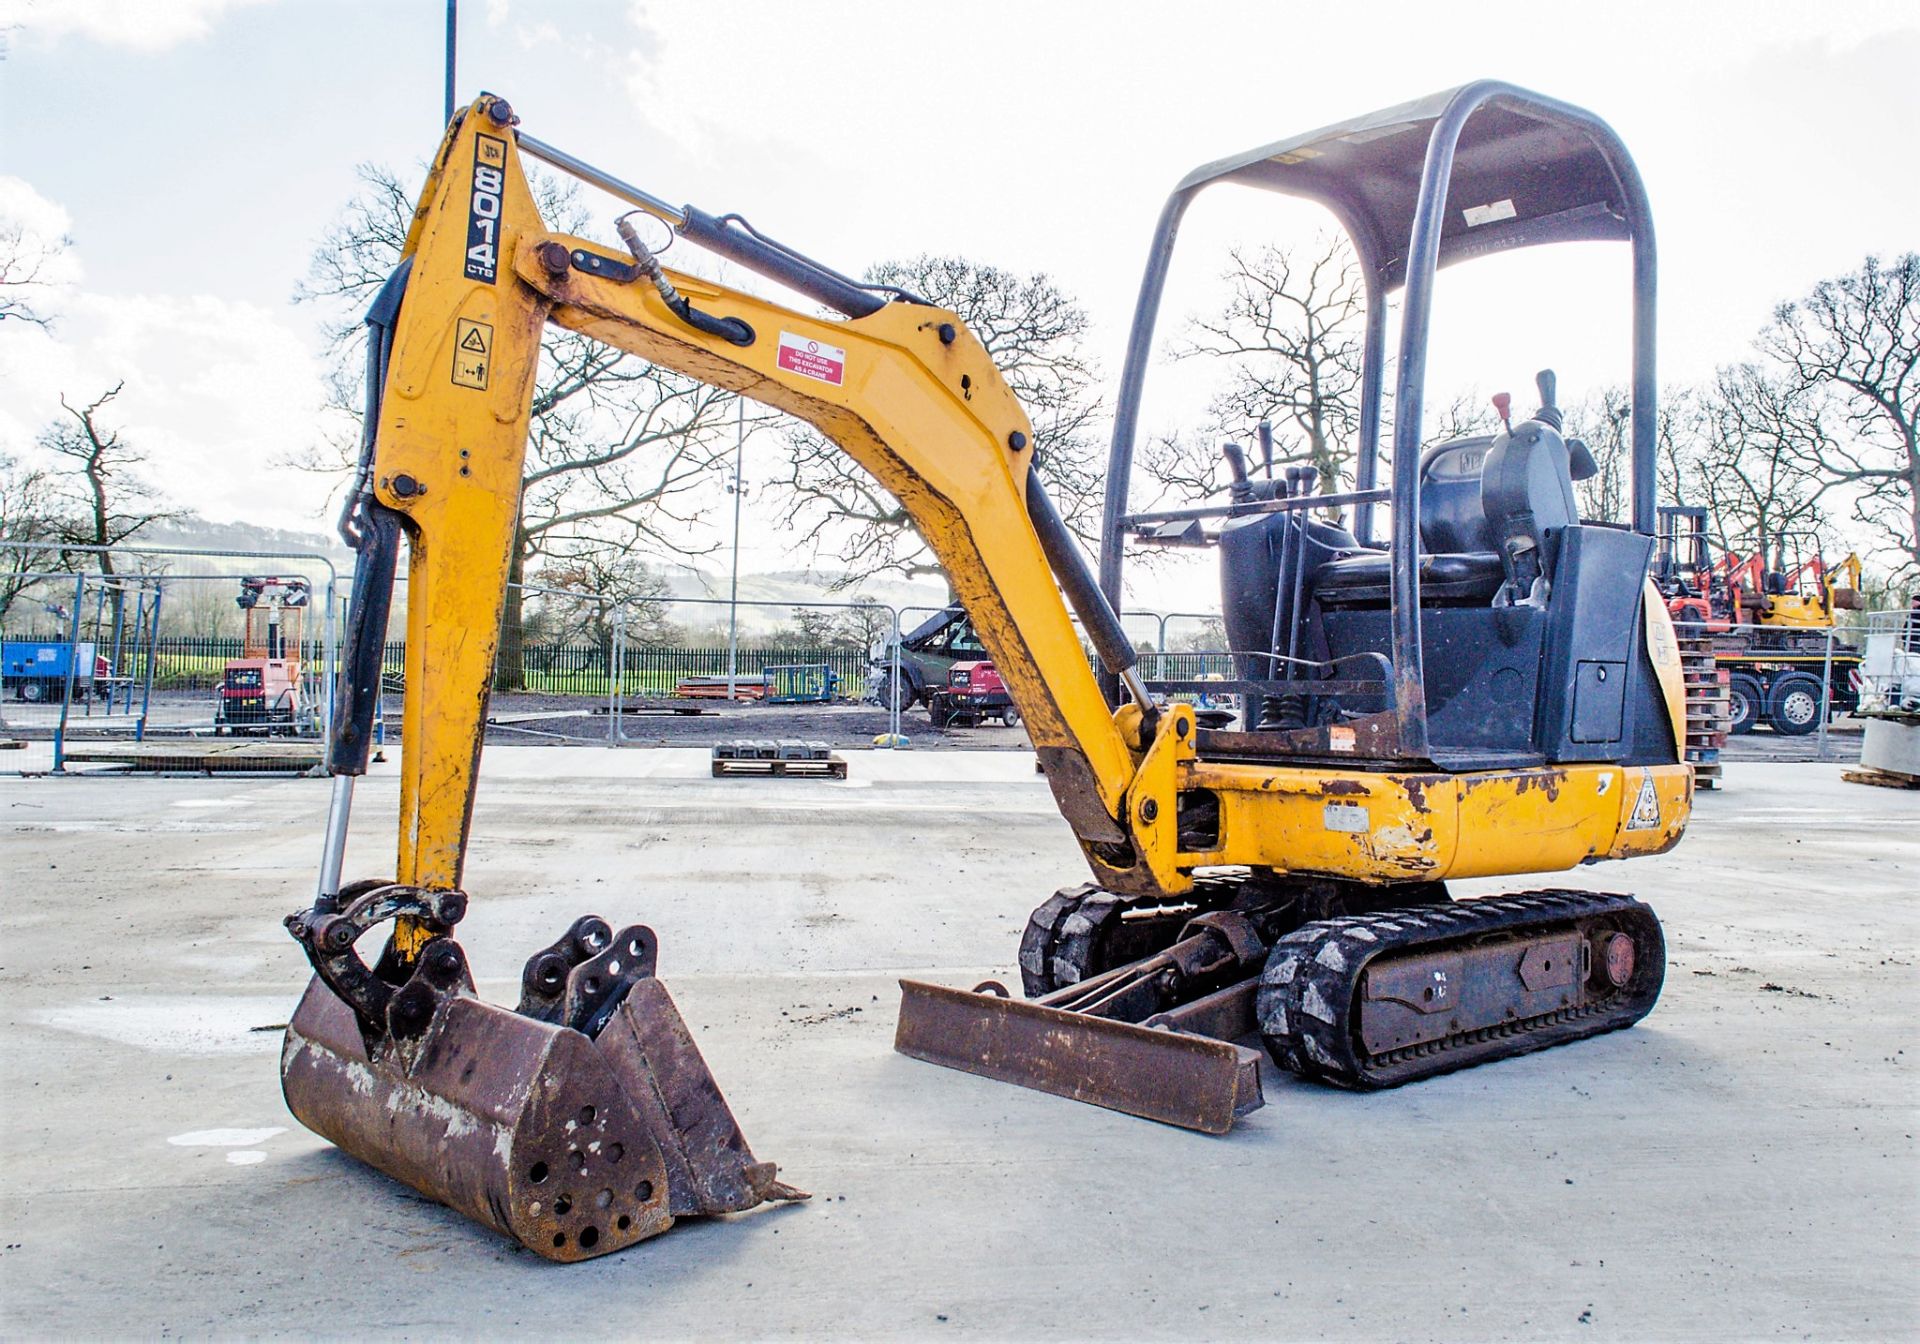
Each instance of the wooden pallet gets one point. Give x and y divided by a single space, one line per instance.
770 759
661 705
1885 779
715 688
1709 716
831 768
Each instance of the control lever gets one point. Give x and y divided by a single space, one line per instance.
1502 407
1263 432
1548 414
1236 464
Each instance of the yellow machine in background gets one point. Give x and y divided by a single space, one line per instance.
1280 878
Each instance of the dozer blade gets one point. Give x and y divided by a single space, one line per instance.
1171 1076
573 1145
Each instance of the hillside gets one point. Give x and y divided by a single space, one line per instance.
788 588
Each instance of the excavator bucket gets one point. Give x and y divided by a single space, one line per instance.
579 1123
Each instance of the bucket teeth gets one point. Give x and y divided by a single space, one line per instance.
573 1144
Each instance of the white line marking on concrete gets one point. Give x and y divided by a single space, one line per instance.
177 1024
226 1138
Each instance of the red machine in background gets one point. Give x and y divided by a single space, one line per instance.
263 691
1769 619
974 693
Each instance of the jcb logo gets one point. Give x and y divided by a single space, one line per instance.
483 211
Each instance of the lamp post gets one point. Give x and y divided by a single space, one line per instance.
453 15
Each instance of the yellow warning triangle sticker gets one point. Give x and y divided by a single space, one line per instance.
1646 808
474 342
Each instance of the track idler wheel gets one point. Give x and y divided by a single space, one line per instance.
578 1125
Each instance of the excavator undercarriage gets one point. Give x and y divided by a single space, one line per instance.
1122 993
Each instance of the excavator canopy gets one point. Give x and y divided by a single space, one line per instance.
1526 170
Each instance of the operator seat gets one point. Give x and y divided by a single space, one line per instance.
1459 562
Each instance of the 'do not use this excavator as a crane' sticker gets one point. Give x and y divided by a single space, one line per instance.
1487 689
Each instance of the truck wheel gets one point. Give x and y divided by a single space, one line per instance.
1793 705
1744 701
33 692
1011 718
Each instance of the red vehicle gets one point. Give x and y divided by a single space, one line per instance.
263 690
1768 620
973 694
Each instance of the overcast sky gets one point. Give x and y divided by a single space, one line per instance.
195 149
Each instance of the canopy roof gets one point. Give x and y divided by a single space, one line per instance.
1527 170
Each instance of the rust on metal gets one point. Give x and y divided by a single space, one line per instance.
1171 1076
578 1125
1413 1000
518 1124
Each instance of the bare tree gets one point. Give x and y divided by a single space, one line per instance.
866 622
100 500
591 591
1855 341
27 262
1760 434
1291 333
1601 421
26 515
1034 331
617 447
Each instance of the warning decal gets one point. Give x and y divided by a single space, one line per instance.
813 359
1646 808
472 354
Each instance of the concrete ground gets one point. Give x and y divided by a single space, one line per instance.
1742 1165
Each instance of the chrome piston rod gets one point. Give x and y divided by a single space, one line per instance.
334 846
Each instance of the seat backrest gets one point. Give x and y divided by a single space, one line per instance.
1526 492
1451 517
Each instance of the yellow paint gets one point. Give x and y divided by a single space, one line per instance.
934 422
1663 649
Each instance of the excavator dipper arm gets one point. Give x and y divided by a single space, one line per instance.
585 1119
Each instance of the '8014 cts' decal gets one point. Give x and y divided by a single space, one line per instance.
483 211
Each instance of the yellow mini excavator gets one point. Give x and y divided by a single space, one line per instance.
1486 690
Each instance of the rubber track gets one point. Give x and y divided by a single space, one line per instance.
1309 988
1069 936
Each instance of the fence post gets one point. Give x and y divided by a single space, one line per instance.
1826 692
330 655
617 680
153 656
893 688
73 665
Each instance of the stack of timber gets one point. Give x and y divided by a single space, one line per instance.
1708 711
715 688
